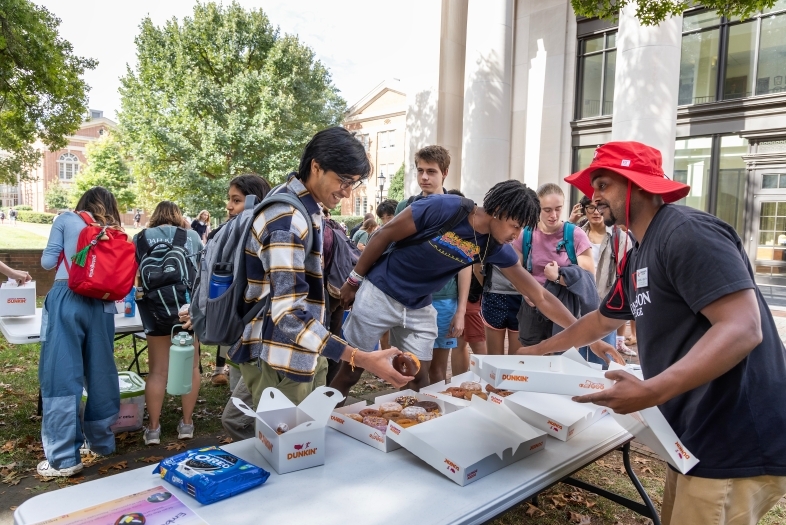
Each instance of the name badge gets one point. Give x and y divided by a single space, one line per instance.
641 278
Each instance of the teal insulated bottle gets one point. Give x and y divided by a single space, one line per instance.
181 363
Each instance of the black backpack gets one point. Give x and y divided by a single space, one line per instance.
167 273
341 261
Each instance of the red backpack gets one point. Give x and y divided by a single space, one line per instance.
104 264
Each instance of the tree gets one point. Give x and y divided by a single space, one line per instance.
57 197
42 93
219 94
652 12
396 188
106 167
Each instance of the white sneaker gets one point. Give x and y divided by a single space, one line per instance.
623 348
153 437
48 471
185 431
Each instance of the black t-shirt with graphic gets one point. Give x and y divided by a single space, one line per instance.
735 424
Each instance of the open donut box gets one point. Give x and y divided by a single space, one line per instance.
369 435
436 389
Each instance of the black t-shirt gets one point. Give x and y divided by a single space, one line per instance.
735 424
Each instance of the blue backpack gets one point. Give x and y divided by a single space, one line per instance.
566 244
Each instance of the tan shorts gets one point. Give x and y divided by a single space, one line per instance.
690 500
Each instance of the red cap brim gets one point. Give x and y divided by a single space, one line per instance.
669 190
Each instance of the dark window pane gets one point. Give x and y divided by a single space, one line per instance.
699 67
592 71
768 209
732 179
592 44
700 20
692 166
772 51
769 181
782 183
739 61
608 85
611 39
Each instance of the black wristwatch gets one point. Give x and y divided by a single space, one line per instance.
556 281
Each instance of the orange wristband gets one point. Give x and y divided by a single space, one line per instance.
352 359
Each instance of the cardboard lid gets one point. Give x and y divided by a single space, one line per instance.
131 385
555 406
318 405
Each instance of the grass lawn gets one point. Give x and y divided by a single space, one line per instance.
28 236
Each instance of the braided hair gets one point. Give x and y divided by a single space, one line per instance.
511 199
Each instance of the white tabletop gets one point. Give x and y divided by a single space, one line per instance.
357 484
27 328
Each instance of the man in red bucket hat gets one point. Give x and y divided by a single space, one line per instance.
710 353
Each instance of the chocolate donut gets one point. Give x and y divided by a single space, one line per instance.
406 401
430 406
406 364
369 412
380 423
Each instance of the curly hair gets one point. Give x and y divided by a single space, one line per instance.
511 199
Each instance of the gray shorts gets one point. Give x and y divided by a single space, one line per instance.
375 312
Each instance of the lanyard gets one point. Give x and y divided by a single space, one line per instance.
618 287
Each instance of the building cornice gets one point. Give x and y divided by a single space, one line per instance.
367 118
731 109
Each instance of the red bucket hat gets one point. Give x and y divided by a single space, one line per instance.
637 162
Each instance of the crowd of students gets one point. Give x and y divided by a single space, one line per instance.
442 277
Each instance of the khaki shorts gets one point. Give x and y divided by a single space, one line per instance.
258 378
374 313
689 500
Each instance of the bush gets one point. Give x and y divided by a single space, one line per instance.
35 217
350 220
23 207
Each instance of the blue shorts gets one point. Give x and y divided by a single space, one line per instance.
500 311
446 309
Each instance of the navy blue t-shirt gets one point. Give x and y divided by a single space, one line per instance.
412 273
736 423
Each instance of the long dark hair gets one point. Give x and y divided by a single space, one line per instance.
251 184
166 212
335 149
100 202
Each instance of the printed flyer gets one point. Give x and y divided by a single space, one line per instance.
156 506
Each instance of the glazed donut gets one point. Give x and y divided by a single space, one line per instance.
390 407
471 385
413 412
405 422
406 364
452 389
391 415
459 392
430 406
369 412
481 395
422 418
356 417
406 401
380 423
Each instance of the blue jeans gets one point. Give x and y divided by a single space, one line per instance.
77 350
590 356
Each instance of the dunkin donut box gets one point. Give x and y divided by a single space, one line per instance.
435 389
368 435
566 374
471 443
17 299
556 414
303 445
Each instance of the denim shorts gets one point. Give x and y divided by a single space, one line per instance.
499 311
446 309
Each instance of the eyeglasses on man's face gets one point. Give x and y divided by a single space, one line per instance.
350 183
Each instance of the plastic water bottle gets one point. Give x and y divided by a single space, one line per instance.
220 280
130 303
181 363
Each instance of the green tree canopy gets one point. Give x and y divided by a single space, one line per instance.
106 167
216 95
42 93
653 12
396 188
57 197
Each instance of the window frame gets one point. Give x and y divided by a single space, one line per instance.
63 163
580 70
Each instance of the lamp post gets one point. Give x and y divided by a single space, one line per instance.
381 179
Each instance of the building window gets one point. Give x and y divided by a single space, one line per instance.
364 209
67 166
387 139
714 168
582 158
356 209
597 62
363 139
721 57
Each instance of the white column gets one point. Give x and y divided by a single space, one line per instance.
646 83
488 75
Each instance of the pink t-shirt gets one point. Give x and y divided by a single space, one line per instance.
544 249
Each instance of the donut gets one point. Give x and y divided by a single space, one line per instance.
452 389
391 415
366 412
459 392
490 389
356 417
413 412
282 428
380 423
504 393
390 407
481 395
406 401
422 418
404 422
430 406
406 364
471 385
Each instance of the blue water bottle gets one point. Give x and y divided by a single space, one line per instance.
130 303
220 280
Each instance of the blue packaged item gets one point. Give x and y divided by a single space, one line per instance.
210 474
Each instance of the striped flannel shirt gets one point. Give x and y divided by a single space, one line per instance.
291 335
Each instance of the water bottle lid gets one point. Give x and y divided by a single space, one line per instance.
182 338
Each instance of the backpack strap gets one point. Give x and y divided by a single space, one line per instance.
526 248
463 211
567 242
141 245
180 238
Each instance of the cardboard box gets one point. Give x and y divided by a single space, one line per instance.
556 414
471 443
435 389
303 446
560 374
16 300
355 429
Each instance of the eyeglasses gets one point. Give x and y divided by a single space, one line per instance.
589 208
349 183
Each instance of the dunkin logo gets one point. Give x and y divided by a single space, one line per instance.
376 437
266 442
337 420
681 452
512 377
472 362
452 466
571 432
593 386
492 375
555 426
472 474
395 430
497 400
301 453
16 300
536 445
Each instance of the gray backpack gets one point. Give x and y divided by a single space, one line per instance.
218 321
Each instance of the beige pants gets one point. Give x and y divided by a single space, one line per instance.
690 500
